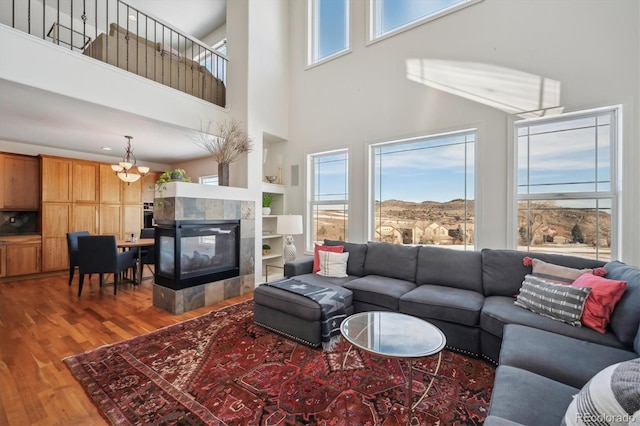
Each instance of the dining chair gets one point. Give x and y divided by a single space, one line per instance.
148 254
72 250
99 254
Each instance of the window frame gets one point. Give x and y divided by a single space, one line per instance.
311 44
203 180
311 202
372 17
613 194
371 214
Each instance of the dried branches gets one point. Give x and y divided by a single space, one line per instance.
231 142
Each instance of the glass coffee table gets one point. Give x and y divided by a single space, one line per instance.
395 335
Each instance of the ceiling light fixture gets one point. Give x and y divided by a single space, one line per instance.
124 169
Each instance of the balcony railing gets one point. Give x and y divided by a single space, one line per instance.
123 36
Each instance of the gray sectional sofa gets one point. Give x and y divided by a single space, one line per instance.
469 295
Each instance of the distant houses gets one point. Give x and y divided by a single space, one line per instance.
423 232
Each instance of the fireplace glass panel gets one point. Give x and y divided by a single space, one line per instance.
209 250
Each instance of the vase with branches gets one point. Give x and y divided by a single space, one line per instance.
225 148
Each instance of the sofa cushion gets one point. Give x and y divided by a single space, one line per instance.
357 253
453 268
503 270
443 303
561 358
380 291
557 301
613 393
391 260
498 311
626 316
528 398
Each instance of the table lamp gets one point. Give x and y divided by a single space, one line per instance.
289 225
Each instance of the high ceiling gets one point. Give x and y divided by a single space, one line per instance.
32 116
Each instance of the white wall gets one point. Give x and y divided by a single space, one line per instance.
589 47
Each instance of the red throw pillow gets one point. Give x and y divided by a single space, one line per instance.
602 300
318 247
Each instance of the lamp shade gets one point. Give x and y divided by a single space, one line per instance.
289 224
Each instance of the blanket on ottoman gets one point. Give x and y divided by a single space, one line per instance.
332 310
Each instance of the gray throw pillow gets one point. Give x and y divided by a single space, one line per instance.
559 302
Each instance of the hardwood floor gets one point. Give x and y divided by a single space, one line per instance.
43 321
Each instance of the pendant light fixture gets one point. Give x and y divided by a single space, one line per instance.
125 169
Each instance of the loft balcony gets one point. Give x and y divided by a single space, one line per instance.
119 35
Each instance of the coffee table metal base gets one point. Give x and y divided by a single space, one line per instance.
395 335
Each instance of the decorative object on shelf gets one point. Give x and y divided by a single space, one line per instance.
125 168
266 248
175 175
267 199
271 179
289 225
231 142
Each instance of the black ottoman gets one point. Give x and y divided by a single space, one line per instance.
294 316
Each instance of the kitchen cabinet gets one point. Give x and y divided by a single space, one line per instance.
109 185
132 192
86 181
56 222
3 261
132 221
20 182
149 187
56 179
22 255
110 219
85 217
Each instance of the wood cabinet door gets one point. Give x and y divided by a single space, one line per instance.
56 218
149 187
56 179
132 192
131 220
109 185
21 182
85 218
86 181
3 261
110 219
23 259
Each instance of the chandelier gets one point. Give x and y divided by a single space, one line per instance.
125 169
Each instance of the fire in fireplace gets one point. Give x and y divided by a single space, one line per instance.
194 252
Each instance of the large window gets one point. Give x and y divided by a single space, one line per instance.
566 183
328 197
389 17
423 190
328 29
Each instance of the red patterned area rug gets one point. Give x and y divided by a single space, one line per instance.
222 369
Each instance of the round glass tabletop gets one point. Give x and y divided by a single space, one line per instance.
393 334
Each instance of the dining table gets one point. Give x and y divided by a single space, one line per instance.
128 244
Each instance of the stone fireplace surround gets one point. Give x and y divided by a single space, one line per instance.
188 201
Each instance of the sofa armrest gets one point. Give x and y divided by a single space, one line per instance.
300 266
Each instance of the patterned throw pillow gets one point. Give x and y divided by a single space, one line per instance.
611 397
559 302
556 273
333 264
318 248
